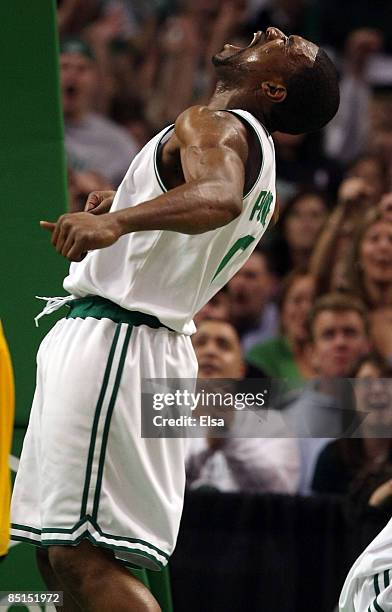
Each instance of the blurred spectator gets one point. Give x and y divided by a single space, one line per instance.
93 142
348 133
342 461
368 507
380 138
187 41
370 276
301 164
338 19
73 15
288 355
217 308
370 264
230 463
329 262
300 225
129 114
252 312
80 184
372 169
291 16
385 206
338 328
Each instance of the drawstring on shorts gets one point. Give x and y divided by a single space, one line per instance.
52 304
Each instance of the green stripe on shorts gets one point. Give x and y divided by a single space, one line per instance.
96 422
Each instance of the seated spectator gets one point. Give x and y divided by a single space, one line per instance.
230 463
252 312
342 461
338 328
300 225
288 355
93 142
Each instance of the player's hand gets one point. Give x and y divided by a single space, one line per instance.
76 233
99 202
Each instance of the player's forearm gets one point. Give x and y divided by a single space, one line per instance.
192 208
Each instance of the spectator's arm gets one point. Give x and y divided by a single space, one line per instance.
263 464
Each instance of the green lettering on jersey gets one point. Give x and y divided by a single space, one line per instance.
262 207
240 245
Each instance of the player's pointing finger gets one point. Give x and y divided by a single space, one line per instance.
48 225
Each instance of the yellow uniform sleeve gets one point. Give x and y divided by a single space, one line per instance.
6 428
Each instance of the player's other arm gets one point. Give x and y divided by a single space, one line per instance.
214 149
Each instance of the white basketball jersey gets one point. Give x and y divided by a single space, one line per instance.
168 274
375 559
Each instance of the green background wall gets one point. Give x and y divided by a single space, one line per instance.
33 187
33 179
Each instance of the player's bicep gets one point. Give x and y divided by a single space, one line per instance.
213 146
219 163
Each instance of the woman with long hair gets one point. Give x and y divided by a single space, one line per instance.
343 461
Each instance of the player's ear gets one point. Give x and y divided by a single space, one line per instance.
274 91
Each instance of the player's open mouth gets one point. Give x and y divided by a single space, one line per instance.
256 37
230 51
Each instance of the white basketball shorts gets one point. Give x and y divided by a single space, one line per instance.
85 471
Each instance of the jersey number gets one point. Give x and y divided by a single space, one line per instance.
240 245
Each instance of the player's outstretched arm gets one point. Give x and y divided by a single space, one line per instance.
214 149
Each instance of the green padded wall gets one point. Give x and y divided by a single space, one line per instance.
33 180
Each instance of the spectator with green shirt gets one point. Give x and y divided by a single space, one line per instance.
288 354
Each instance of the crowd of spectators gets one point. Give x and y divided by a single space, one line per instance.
316 296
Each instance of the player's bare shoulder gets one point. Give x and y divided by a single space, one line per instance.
201 126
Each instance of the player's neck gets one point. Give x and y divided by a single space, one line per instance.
225 97
231 98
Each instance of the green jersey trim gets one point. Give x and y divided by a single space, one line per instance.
88 520
98 307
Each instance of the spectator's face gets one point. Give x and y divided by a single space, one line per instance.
374 396
217 308
339 340
249 289
296 308
376 253
304 223
77 83
218 350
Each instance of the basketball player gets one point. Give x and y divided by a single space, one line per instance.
193 205
368 586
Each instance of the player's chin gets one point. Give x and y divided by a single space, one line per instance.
221 60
